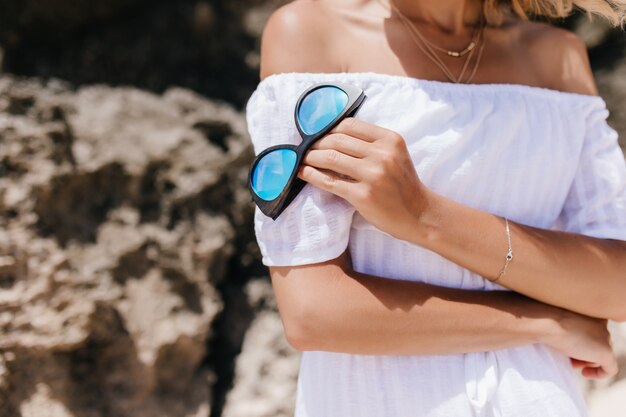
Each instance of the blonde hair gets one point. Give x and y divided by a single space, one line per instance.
612 10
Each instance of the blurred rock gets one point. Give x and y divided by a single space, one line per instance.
267 368
116 227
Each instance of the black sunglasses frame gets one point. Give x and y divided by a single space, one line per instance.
273 208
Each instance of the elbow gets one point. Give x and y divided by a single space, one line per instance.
297 339
300 327
307 312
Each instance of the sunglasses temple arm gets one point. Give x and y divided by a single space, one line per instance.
356 108
298 184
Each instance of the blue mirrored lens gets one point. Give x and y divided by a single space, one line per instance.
320 107
272 172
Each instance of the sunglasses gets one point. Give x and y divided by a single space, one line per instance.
272 178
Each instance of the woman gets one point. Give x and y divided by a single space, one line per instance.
460 245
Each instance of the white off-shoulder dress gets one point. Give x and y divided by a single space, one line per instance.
538 156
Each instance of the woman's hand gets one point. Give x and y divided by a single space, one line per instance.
370 167
587 341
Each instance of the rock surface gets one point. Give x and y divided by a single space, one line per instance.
114 236
267 368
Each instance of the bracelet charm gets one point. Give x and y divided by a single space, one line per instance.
509 254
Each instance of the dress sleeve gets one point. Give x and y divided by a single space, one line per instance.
315 226
596 203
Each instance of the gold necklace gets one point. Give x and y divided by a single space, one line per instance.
443 66
480 53
433 56
460 53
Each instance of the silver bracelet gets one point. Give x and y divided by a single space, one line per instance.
509 254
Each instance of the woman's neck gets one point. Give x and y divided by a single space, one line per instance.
450 16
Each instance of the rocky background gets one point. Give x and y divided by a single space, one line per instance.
130 279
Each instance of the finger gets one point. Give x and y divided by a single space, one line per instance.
335 161
361 129
577 363
326 180
594 372
343 143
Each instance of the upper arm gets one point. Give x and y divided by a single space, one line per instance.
342 262
300 289
305 248
296 38
562 58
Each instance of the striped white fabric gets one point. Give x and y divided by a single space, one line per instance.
538 156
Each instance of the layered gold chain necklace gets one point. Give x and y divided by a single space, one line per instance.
477 43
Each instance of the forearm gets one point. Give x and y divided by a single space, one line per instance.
576 272
342 310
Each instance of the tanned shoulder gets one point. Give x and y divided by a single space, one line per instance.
297 38
560 56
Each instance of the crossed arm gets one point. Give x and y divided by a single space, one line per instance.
370 167
577 272
555 275
328 306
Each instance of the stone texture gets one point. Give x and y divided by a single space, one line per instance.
267 368
114 234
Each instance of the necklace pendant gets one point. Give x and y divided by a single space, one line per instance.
463 52
430 53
